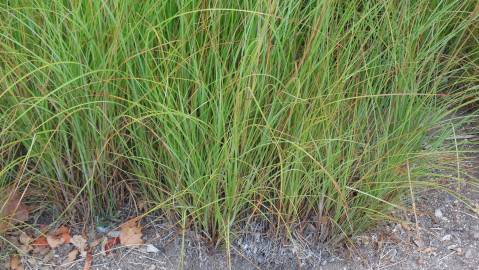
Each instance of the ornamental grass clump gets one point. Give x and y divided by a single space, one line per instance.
218 113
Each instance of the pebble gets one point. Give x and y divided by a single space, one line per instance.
101 229
438 213
152 267
446 237
151 248
475 235
452 247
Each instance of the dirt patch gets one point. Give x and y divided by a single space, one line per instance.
448 238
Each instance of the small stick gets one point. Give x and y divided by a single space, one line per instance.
412 197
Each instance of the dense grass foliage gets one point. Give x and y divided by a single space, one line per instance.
218 113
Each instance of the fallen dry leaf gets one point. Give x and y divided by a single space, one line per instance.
12 210
72 256
40 245
109 243
59 237
130 233
80 242
41 241
88 261
15 263
54 241
25 239
64 232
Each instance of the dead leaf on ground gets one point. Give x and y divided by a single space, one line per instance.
109 243
12 209
64 232
88 261
25 238
15 263
130 233
40 241
59 237
54 241
40 245
72 256
81 243
25 241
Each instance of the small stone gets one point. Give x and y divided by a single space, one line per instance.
101 229
151 248
452 247
438 213
475 235
446 237
459 251
152 267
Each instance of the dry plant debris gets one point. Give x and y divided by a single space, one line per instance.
16 263
12 210
130 233
59 237
46 243
81 244
71 256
